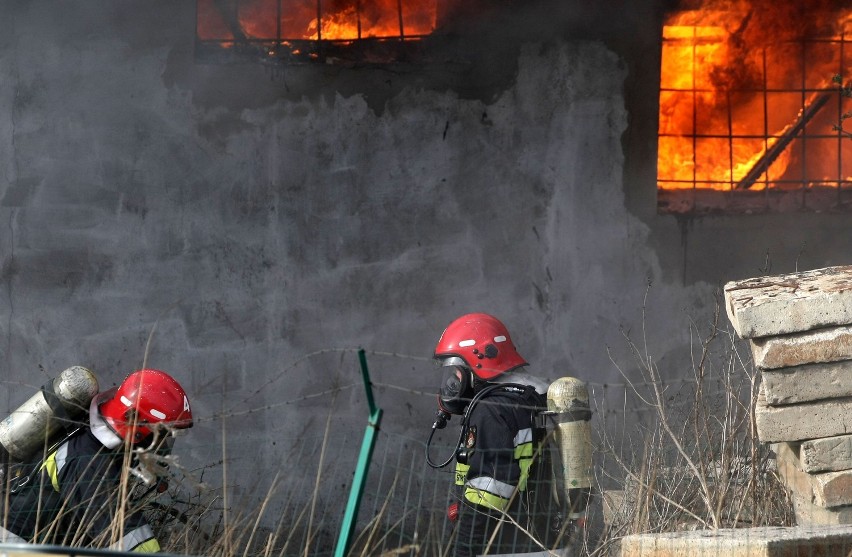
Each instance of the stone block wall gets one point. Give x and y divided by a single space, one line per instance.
799 327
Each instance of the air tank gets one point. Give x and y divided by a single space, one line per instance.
58 405
569 413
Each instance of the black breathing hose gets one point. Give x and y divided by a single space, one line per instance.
442 417
429 442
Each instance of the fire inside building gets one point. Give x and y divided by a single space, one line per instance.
308 30
751 107
241 192
751 93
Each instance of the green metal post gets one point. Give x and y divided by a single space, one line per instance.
368 385
357 491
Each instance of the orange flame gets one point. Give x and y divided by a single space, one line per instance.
376 18
275 20
732 85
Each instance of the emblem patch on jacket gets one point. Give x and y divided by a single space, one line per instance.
470 441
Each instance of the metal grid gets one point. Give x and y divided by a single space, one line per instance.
299 506
313 30
771 142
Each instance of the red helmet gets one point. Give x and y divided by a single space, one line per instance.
483 342
147 396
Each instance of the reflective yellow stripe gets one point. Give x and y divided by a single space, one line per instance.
142 536
524 465
524 450
485 499
461 472
524 454
50 466
151 546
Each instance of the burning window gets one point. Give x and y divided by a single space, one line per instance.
750 107
313 30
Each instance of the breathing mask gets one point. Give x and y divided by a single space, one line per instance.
456 390
461 390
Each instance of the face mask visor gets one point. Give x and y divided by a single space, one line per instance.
456 390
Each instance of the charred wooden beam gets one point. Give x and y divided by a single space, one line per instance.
764 162
228 11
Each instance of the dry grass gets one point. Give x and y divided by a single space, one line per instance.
675 454
694 461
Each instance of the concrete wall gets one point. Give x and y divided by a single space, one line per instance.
257 215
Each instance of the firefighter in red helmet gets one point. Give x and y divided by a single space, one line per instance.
72 496
498 471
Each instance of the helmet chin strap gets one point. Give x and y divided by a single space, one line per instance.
477 383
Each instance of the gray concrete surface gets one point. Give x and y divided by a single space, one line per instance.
790 303
808 382
742 542
823 489
831 453
258 224
806 420
830 344
808 514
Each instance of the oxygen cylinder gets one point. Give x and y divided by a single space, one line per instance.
569 413
57 405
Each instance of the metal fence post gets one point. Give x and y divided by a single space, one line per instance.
360 478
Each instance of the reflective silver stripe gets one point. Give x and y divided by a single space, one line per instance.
61 456
524 436
490 485
98 426
133 538
8 537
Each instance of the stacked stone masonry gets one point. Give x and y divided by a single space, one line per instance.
799 327
768 541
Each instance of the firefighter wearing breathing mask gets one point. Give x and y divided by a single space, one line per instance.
73 497
501 488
